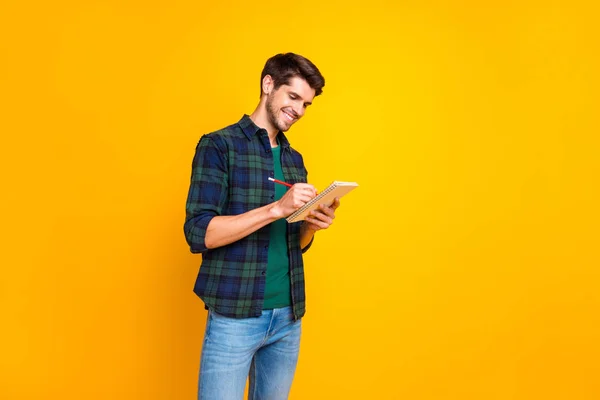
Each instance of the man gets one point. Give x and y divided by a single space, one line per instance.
252 277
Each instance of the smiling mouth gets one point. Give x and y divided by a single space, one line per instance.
289 116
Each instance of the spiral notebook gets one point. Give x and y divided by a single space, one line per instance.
327 196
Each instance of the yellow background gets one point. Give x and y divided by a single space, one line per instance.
464 267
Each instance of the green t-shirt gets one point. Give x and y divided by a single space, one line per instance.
277 290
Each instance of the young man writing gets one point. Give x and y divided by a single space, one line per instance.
252 275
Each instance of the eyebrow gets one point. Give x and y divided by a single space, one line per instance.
308 103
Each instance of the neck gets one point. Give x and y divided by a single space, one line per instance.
260 118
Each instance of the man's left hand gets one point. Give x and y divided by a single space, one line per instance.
322 217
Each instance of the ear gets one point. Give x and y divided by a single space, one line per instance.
267 84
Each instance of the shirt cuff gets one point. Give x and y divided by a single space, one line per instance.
197 234
304 250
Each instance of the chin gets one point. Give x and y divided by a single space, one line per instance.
283 127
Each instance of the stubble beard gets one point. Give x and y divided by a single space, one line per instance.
272 115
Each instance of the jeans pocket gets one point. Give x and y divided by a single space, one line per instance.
236 333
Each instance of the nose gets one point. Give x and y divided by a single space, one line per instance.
299 109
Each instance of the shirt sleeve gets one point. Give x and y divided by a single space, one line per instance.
305 249
207 196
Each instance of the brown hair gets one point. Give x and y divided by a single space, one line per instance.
283 67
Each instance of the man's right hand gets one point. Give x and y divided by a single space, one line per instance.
296 196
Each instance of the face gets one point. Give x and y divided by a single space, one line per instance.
288 103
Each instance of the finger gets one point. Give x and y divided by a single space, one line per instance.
310 192
321 217
336 203
304 186
300 202
303 191
309 189
317 223
297 194
303 197
330 212
311 225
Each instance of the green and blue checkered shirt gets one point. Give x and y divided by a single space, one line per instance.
230 175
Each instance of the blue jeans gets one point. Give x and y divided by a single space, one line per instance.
263 349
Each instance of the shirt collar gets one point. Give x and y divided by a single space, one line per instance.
250 129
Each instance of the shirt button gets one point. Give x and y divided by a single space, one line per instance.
263 273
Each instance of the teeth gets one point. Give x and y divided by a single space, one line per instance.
288 116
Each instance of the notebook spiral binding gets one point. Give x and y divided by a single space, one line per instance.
311 202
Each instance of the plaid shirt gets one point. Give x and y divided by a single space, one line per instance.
230 175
